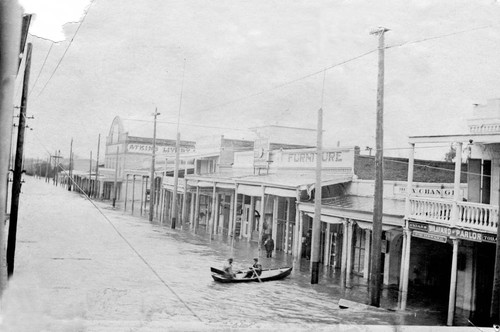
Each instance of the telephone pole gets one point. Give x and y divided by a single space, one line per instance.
177 148
10 30
316 228
376 266
152 186
18 168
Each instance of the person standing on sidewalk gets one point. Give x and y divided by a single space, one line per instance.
269 245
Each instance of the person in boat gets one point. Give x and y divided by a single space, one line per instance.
255 268
228 269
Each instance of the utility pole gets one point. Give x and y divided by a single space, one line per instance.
70 171
176 179
10 30
316 228
177 151
115 189
376 266
97 189
152 187
18 168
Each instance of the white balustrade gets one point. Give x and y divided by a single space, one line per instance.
475 216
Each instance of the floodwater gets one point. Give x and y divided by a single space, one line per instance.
86 267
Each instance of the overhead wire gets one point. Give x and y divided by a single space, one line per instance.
41 68
67 48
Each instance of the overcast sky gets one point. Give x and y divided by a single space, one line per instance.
252 63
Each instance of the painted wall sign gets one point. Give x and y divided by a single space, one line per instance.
446 231
332 158
418 226
443 190
429 236
468 235
442 231
160 149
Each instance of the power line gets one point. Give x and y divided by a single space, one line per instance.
41 68
440 36
67 48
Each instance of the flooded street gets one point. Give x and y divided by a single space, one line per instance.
81 267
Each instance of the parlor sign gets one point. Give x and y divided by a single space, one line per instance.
438 233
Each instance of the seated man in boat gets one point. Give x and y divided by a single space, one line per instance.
228 269
255 268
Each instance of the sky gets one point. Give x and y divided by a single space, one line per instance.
241 64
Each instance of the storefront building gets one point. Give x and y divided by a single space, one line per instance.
457 233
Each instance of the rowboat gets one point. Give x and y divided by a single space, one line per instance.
266 275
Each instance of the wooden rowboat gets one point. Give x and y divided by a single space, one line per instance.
266 275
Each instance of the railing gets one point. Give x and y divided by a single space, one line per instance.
428 209
478 216
475 216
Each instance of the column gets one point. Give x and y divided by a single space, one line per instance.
196 209
345 233
133 192
274 230
235 212
191 219
453 281
216 214
287 224
142 193
300 225
368 247
251 218
231 216
297 237
456 187
406 269
211 221
349 250
184 202
126 192
262 216
326 259
243 222
387 260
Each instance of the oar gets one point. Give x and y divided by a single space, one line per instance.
256 273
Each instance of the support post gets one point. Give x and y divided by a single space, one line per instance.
126 193
262 217
115 186
366 267
251 218
453 284
133 193
326 258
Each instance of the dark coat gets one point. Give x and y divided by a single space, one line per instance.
269 244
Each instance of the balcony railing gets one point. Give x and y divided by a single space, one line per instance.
475 216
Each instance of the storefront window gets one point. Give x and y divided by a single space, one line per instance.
359 250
